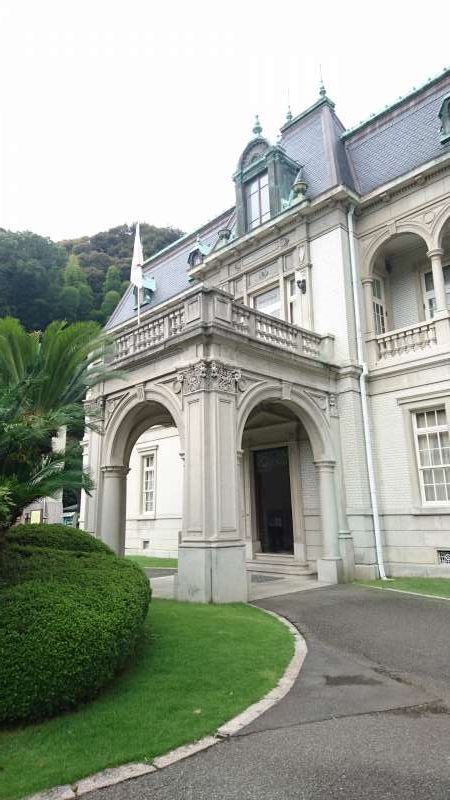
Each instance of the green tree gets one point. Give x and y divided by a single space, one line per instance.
43 379
110 301
77 298
30 277
113 281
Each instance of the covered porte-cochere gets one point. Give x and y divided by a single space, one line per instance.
259 437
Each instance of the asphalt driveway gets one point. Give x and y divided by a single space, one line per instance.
369 716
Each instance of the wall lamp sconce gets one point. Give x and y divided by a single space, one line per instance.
302 285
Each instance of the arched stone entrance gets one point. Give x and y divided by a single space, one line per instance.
289 489
130 422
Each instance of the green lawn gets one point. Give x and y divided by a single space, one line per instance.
150 561
435 586
197 666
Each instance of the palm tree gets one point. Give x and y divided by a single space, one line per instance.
59 364
43 379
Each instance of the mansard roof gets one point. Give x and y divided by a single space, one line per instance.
397 140
169 268
400 138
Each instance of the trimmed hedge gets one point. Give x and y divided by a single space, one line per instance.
71 614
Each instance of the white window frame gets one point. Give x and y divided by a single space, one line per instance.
442 432
379 307
150 452
266 290
428 295
261 193
292 300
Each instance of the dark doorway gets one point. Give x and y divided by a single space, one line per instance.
273 500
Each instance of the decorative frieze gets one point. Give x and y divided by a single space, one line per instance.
111 405
327 402
208 376
94 409
263 274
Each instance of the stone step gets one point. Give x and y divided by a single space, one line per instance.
276 558
277 568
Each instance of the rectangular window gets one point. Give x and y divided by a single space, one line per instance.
429 299
433 455
291 298
148 483
269 302
258 205
379 312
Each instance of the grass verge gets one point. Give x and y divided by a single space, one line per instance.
197 666
147 562
434 586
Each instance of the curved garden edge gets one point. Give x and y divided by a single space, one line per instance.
125 772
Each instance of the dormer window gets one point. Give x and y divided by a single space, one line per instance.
197 258
258 203
444 116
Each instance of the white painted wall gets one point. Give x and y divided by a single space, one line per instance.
161 529
329 290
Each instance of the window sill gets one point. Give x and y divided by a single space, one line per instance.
146 516
423 511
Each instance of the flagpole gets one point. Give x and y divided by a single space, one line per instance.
139 304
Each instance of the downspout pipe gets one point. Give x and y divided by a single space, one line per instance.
364 402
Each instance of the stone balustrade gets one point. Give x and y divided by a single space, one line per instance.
420 336
215 308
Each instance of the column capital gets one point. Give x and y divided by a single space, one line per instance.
367 279
436 251
115 470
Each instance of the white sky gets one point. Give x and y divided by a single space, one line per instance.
116 111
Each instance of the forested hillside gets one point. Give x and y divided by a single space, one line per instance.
78 279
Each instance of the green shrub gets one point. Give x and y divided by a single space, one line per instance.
61 537
70 617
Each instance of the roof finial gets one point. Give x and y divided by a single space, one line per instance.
257 127
289 115
322 90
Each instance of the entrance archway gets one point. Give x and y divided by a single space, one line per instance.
289 502
133 472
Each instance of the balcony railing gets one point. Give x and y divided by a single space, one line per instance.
214 308
418 337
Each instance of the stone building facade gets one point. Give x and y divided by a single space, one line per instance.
295 352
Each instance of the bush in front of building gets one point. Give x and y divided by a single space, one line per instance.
71 614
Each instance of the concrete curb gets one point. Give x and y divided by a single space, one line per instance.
405 591
126 772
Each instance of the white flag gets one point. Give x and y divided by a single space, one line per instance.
138 259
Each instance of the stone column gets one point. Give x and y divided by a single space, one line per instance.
368 305
370 337
435 257
113 507
329 567
211 557
296 502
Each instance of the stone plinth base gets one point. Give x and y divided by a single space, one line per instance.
212 572
348 556
366 572
330 570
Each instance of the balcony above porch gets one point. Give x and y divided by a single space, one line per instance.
206 310
409 344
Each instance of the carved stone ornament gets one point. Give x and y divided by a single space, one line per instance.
333 405
140 392
319 399
327 402
93 408
208 376
111 405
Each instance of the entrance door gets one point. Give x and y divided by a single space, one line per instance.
273 500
